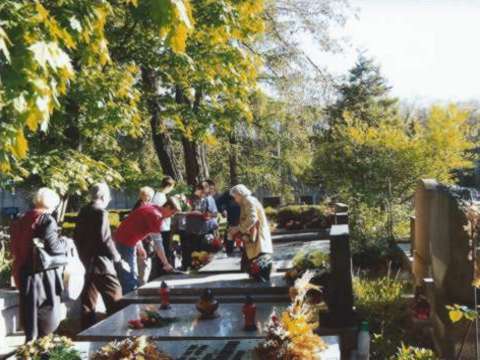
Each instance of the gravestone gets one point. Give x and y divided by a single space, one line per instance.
283 255
188 325
272 201
451 270
306 200
421 240
340 290
441 246
213 349
221 284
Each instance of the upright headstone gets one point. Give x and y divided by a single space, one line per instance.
421 245
452 271
448 244
340 289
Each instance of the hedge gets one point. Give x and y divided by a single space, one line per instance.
304 217
115 217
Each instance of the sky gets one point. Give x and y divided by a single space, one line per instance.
429 50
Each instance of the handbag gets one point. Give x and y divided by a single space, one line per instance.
73 273
43 261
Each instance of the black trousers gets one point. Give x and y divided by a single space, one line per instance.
167 246
189 243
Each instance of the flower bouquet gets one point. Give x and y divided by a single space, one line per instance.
130 349
200 258
259 269
150 318
51 347
291 336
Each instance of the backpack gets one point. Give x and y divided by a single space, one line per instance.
73 273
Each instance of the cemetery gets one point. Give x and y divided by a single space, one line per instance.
239 180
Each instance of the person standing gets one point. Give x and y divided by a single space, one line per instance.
40 291
162 240
98 253
145 248
254 230
140 223
231 210
211 206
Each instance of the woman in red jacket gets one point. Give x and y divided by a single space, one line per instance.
39 291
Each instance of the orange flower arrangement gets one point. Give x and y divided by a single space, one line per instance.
292 336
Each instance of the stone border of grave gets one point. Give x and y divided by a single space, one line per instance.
9 318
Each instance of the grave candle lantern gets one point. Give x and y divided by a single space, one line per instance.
207 305
165 296
249 313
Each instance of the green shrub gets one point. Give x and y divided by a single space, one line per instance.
303 216
271 214
372 234
381 302
115 216
413 353
313 260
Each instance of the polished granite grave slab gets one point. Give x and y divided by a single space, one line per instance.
283 254
221 284
135 298
212 349
227 325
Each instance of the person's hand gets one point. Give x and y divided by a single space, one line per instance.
122 264
167 267
142 254
232 231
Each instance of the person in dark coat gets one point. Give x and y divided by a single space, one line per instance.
40 292
228 207
98 254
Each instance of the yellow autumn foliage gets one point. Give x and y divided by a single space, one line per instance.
21 146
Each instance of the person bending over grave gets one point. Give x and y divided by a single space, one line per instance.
254 231
137 226
145 248
40 290
162 240
98 254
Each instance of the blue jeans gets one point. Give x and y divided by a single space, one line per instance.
128 280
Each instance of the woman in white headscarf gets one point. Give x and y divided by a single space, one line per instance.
254 230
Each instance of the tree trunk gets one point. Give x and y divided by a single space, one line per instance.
233 160
62 209
195 161
161 139
195 153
